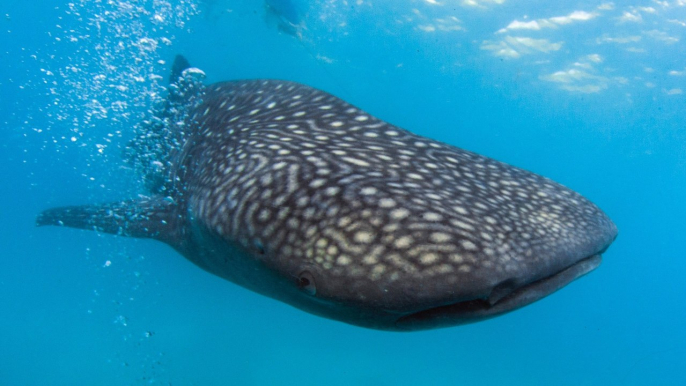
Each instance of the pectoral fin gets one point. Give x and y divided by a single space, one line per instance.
156 218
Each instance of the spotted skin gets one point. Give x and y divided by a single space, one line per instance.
296 194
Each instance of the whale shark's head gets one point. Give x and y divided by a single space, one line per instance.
418 274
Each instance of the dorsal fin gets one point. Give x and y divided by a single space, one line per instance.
180 64
158 137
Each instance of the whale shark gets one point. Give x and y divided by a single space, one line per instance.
293 193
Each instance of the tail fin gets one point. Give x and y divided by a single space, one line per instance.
155 218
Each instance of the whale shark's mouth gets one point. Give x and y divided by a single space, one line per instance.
503 298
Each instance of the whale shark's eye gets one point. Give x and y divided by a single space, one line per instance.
259 246
306 283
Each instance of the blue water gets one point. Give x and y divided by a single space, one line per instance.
587 93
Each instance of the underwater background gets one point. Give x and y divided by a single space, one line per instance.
588 93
